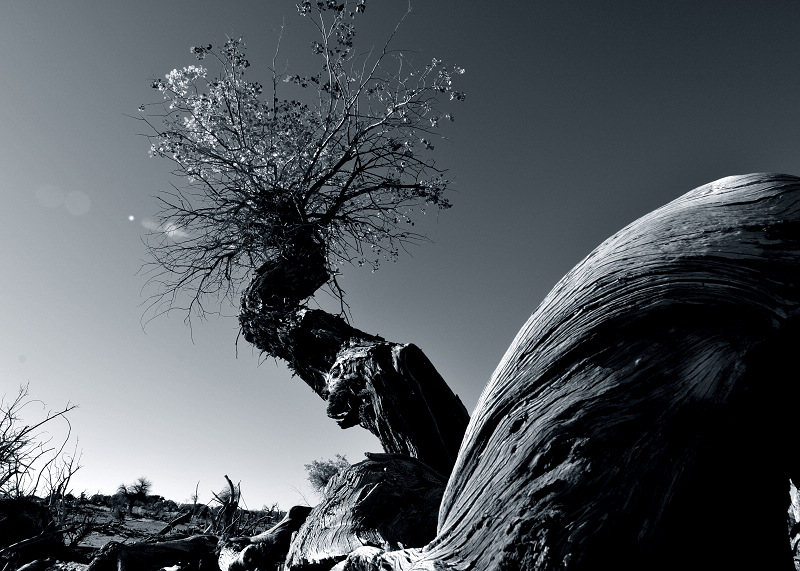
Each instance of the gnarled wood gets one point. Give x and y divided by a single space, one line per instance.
395 392
643 416
390 389
369 558
639 419
389 501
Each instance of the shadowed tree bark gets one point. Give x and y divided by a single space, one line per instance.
643 416
391 389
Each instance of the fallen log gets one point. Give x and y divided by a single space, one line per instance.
642 416
148 556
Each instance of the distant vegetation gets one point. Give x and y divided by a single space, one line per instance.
40 516
320 472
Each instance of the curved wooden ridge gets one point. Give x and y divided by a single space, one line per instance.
642 418
592 443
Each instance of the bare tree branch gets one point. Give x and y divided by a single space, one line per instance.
27 458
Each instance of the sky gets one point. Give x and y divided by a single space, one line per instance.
579 118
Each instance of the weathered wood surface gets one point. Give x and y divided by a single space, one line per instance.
633 423
395 392
369 558
643 418
192 552
390 389
388 501
265 550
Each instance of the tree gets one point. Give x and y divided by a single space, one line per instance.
279 193
331 178
141 488
320 472
645 391
135 493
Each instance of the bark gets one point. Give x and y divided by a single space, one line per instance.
191 552
389 501
395 392
643 416
390 389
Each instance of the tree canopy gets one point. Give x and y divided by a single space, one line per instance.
341 170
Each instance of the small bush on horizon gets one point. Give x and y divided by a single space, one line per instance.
320 472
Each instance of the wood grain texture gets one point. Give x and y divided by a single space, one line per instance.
395 392
389 501
643 418
391 389
640 417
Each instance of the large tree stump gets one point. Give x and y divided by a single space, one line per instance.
388 501
643 418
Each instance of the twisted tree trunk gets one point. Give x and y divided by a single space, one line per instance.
643 418
390 389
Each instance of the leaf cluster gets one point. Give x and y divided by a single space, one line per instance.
320 472
345 164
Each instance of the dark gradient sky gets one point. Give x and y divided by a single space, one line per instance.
580 117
